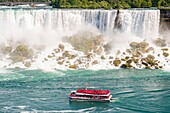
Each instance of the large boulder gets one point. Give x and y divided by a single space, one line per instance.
66 54
107 47
164 49
165 54
134 45
143 45
128 51
117 62
21 53
22 50
149 49
74 66
95 62
85 41
27 64
126 65
7 50
16 59
99 50
61 46
160 42
102 57
150 56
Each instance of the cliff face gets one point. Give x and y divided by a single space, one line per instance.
164 19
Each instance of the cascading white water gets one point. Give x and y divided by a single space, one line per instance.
46 27
142 23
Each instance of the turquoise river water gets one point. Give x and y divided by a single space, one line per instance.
40 91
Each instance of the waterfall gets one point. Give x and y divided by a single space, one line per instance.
142 23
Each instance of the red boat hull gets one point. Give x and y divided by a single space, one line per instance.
90 95
77 98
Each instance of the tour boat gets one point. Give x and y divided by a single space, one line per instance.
90 95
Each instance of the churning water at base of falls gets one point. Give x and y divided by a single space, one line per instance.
39 91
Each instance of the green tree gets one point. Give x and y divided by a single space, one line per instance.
149 3
105 5
56 3
159 3
144 4
125 5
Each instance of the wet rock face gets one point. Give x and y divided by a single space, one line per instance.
95 62
117 62
6 50
86 42
141 45
74 66
160 42
149 49
27 64
142 56
151 56
165 54
21 53
134 45
61 46
90 51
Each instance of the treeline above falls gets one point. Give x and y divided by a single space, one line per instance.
97 4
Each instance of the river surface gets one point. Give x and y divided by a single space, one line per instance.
40 91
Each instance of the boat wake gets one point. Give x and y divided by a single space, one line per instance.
114 99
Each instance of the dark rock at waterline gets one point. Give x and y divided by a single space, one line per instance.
144 63
126 65
74 66
60 62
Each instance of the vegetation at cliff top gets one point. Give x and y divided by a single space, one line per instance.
97 4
